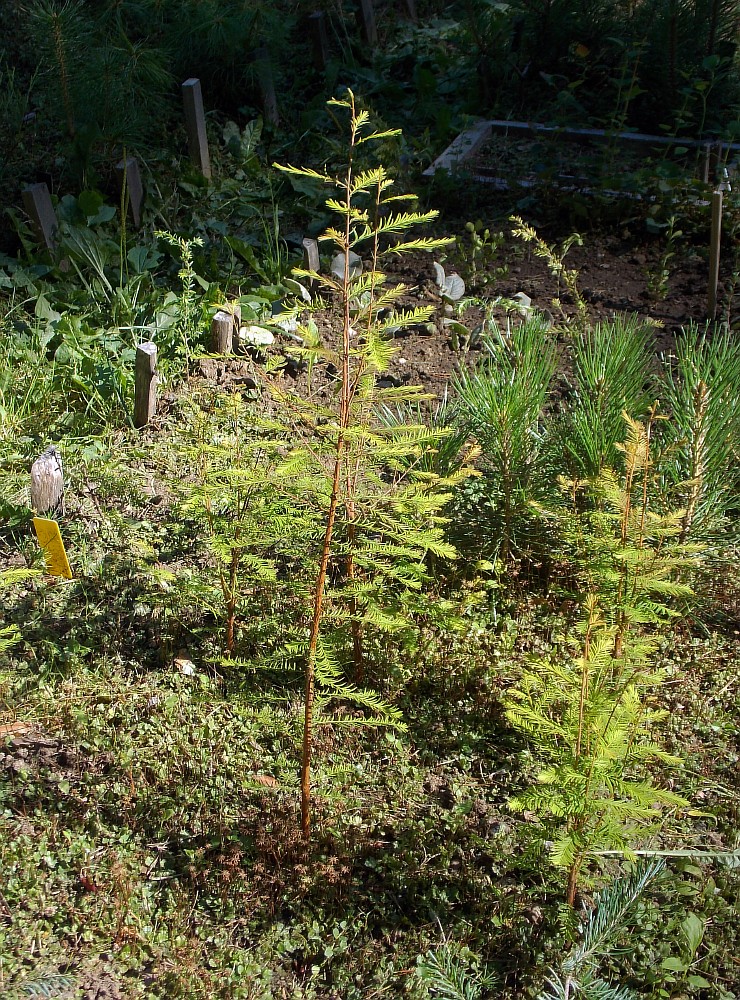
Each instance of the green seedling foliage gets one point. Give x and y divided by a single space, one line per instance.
659 276
611 374
477 256
701 391
329 478
500 402
445 974
589 715
599 936
245 493
382 515
187 303
554 257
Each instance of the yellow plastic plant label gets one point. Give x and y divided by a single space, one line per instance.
50 540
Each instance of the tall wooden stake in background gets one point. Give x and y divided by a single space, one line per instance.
411 10
266 80
129 179
195 121
319 39
38 206
367 23
714 249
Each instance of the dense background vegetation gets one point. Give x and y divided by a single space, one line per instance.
512 609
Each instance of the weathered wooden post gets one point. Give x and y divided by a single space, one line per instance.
222 332
145 384
319 39
129 179
38 206
311 261
195 121
715 159
367 23
47 484
715 240
266 80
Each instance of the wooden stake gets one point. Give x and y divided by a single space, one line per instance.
38 206
222 332
311 261
319 39
716 155
263 68
47 484
714 252
367 23
145 386
705 164
129 179
195 121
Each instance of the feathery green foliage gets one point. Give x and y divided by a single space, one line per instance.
330 479
587 711
453 449
633 554
245 492
382 512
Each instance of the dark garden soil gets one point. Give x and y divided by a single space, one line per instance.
613 278
615 271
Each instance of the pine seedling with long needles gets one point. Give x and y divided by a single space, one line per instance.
610 375
382 514
701 391
500 403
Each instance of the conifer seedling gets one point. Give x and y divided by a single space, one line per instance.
381 508
589 711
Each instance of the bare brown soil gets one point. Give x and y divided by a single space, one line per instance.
614 278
